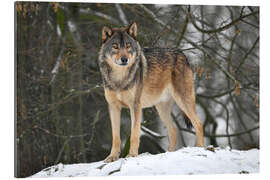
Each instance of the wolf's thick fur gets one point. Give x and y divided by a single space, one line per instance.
134 78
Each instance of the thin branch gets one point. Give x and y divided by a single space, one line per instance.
175 119
99 14
223 27
228 74
150 132
73 94
253 25
209 119
95 13
224 35
247 54
59 135
182 33
231 48
250 8
152 14
66 137
164 30
97 117
61 151
239 115
227 121
58 61
121 14
217 95
222 135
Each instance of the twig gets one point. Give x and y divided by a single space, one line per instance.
152 15
59 135
209 119
58 61
93 128
121 14
224 35
239 115
247 54
163 31
253 25
150 132
175 119
223 27
222 135
73 94
227 121
116 170
61 151
99 14
182 33
217 95
250 8
229 75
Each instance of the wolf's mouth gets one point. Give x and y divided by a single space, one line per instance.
123 64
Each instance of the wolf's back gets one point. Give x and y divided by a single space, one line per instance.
161 55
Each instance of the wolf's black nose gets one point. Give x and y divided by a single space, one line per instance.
124 60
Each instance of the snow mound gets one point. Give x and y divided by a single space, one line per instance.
190 160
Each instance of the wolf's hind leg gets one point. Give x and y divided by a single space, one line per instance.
185 99
184 95
164 111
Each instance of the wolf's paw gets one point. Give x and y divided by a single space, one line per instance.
131 155
111 158
171 149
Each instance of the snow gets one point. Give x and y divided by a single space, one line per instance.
189 160
72 26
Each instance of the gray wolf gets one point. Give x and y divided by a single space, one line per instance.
137 78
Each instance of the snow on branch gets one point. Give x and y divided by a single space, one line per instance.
58 61
121 14
152 14
99 14
152 133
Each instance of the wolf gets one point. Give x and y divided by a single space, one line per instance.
137 78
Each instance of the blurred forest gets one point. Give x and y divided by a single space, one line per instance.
61 112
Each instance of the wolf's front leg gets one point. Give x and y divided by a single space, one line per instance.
114 110
136 114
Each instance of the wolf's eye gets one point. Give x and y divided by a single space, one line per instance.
115 46
128 45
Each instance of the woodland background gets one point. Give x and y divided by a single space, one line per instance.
61 113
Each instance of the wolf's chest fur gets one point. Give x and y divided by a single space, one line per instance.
147 97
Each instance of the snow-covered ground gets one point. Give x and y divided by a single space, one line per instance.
190 160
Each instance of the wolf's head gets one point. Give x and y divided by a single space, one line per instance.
119 45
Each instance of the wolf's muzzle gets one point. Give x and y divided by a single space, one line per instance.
124 61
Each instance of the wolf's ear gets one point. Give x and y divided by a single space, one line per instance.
106 33
132 30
